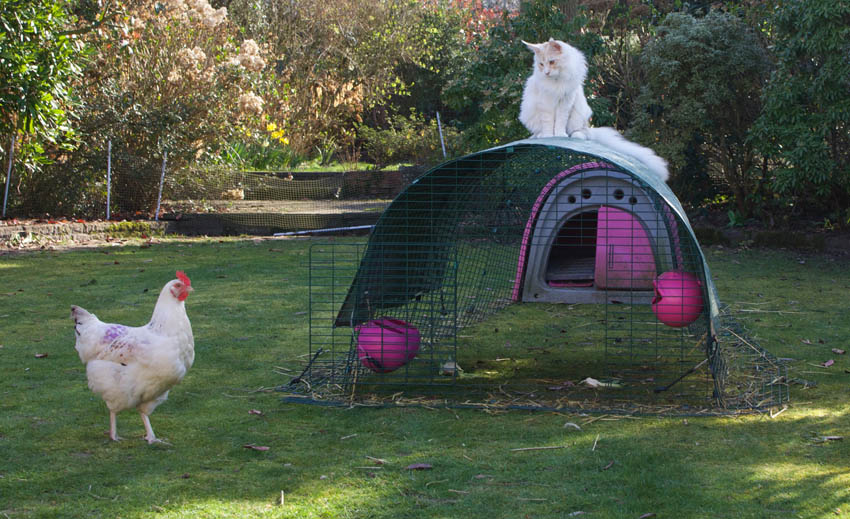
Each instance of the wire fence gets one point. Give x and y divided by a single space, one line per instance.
112 184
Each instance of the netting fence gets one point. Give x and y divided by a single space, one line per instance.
111 184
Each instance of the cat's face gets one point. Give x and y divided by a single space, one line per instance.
547 57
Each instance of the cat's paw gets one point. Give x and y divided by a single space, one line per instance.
580 134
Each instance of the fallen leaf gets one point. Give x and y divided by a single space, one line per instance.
576 513
837 351
256 412
828 363
608 466
573 425
256 447
647 516
40 355
419 466
806 341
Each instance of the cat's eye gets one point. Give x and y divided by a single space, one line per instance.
551 62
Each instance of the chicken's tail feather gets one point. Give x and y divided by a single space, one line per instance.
79 313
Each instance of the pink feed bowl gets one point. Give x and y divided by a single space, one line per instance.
678 298
385 344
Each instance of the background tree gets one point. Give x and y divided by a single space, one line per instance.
805 125
701 94
39 62
488 89
175 79
334 62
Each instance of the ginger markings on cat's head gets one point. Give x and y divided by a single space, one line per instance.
546 55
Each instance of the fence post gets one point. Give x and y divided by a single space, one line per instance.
161 181
440 128
108 175
9 173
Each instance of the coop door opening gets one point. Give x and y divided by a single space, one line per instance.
606 248
572 257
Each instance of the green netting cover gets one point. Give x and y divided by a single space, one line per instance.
412 243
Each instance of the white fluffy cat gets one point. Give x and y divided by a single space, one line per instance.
553 103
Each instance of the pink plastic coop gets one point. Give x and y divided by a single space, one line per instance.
593 236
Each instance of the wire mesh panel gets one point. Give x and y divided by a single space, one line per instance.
617 303
269 202
412 344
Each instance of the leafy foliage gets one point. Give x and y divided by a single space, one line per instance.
345 59
488 90
805 125
38 65
406 139
701 93
173 80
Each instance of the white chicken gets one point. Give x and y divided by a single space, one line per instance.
135 367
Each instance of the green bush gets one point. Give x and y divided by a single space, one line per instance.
173 79
407 139
805 125
701 96
487 92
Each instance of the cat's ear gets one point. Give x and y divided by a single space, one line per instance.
534 47
554 45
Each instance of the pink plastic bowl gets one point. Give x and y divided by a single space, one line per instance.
678 298
385 344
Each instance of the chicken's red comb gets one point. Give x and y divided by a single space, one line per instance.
184 278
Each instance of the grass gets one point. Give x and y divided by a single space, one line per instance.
316 166
248 317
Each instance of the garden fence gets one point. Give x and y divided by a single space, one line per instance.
112 184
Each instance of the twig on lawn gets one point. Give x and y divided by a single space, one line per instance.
101 497
594 443
784 408
521 449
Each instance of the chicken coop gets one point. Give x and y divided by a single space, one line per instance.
546 270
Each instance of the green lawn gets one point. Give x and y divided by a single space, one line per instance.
249 317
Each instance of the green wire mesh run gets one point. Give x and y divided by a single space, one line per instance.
529 273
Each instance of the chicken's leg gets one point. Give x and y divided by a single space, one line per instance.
149 435
113 429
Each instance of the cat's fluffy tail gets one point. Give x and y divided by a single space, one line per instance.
611 137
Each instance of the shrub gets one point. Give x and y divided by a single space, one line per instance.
805 125
701 95
487 92
407 139
173 80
